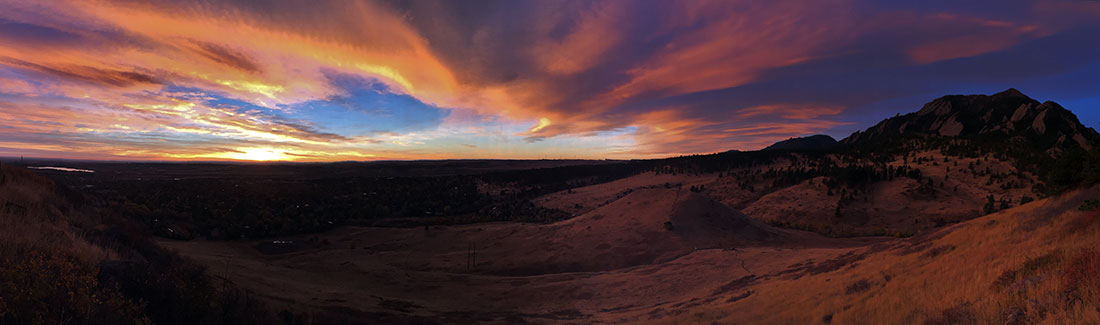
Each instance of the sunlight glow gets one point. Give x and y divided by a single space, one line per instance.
543 123
254 87
259 154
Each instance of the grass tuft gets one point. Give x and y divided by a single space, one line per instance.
857 287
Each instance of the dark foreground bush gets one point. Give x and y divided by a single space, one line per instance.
43 285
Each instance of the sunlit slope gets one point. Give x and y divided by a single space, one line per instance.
1035 263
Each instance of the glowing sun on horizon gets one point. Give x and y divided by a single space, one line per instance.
260 154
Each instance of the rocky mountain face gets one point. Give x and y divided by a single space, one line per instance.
813 142
957 158
1008 115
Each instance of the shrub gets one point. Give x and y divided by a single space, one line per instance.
938 250
42 285
990 205
1089 205
961 314
857 287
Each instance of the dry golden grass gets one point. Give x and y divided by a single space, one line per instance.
895 207
1033 264
581 200
32 215
48 267
1028 264
616 263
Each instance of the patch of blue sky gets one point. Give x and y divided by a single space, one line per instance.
506 141
1075 90
369 107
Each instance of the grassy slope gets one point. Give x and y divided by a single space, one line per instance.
613 264
1029 263
63 262
1033 263
49 267
895 206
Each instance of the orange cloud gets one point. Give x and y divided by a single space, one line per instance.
669 131
735 44
973 36
267 65
545 75
593 35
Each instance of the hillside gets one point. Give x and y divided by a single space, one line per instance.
64 261
617 261
1037 263
947 191
813 142
1034 263
957 158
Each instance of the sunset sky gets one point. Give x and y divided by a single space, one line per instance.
345 80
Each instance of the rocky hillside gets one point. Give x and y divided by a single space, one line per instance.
956 158
1007 116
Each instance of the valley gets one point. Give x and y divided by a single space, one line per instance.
619 264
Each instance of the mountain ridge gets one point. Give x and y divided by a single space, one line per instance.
1044 125
813 142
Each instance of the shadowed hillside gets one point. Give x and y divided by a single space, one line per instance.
957 158
813 142
65 263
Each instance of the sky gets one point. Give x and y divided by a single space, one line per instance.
381 80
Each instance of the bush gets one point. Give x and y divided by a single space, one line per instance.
857 287
990 205
42 285
961 314
1076 167
1089 205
